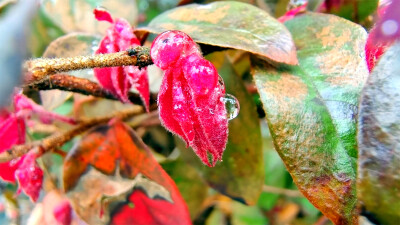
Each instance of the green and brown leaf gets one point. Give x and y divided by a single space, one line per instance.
311 110
230 24
378 183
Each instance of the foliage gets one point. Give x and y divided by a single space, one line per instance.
285 112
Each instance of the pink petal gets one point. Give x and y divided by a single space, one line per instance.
30 176
12 132
102 15
139 80
26 107
293 12
63 213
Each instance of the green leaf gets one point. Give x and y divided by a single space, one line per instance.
232 25
356 10
311 110
191 186
241 174
379 140
275 171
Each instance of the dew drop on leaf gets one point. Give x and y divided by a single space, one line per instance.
232 106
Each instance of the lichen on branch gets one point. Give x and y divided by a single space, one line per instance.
37 69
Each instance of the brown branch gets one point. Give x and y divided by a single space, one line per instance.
37 69
80 85
282 191
59 139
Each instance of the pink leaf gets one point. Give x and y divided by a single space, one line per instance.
293 12
12 132
118 80
26 107
102 15
63 213
30 176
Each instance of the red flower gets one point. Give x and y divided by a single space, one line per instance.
118 80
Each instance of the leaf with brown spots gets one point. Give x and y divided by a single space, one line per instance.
379 141
232 25
112 178
241 173
311 110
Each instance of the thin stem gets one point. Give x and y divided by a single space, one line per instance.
80 85
57 140
37 69
282 191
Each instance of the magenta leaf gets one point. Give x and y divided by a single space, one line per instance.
63 213
118 80
30 176
293 12
190 98
12 132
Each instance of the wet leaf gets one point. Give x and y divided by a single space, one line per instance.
232 25
191 185
73 44
378 139
111 177
311 110
77 15
241 173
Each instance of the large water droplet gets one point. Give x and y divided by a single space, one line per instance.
232 106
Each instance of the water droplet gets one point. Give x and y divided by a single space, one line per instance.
232 106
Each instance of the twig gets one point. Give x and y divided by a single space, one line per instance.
37 69
282 191
57 140
80 85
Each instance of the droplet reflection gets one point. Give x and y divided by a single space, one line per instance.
232 106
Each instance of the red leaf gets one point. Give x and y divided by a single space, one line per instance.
118 80
192 108
30 176
102 15
293 12
12 132
145 207
115 147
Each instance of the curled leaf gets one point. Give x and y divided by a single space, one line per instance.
118 80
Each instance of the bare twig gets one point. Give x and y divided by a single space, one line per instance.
57 140
80 85
282 191
37 69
